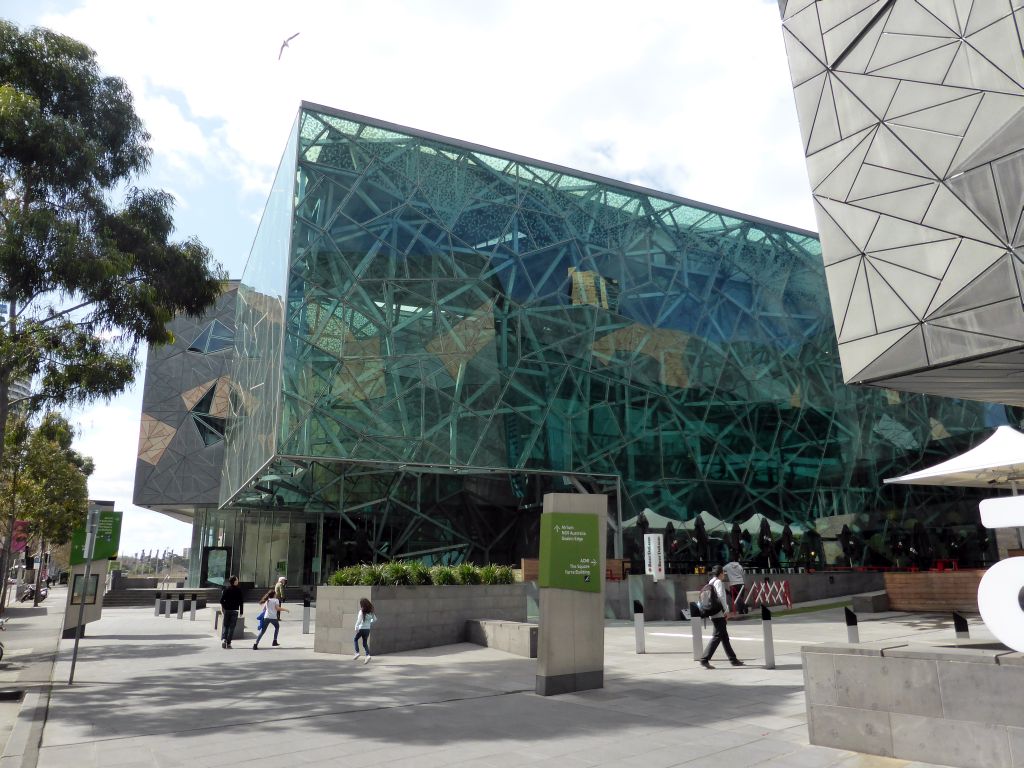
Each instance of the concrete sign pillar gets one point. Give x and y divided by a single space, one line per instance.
570 644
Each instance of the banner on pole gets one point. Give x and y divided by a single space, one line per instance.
654 555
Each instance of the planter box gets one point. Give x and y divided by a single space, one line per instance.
945 705
412 617
933 591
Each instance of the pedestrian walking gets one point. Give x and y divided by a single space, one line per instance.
282 582
271 608
231 609
719 618
735 575
364 621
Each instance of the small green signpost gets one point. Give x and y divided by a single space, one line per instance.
108 538
570 552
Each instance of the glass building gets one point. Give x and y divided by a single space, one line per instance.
430 335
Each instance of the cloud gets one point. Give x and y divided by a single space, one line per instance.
688 98
694 95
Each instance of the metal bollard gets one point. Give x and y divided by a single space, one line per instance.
305 615
192 617
156 605
852 633
769 641
181 605
638 626
960 626
695 631
167 605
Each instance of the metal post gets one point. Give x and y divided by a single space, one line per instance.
92 523
769 641
192 617
618 518
852 633
305 615
638 626
960 625
156 605
181 605
695 631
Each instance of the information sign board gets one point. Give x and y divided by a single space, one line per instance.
570 552
108 538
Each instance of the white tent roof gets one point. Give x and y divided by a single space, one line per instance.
711 523
657 522
753 525
997 462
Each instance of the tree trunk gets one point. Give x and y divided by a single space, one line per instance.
39 572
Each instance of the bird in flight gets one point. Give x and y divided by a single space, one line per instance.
285 45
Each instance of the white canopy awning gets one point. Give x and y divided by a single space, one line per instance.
711 523
753 525
996 463
657 522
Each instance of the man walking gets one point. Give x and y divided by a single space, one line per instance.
734 574
231 606
719 619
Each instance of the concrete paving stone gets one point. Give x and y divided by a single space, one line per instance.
437 706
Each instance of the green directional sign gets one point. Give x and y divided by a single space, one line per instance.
108 538
570 552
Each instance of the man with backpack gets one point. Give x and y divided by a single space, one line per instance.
713 604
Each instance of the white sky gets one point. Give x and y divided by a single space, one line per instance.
682 96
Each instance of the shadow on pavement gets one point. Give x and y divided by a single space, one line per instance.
466 700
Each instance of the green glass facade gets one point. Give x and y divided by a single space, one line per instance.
431 334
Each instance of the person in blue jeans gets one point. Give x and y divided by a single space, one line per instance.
364 620
272 609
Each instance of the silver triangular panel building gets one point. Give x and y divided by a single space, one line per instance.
914 134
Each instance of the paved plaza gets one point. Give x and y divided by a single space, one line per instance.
151 691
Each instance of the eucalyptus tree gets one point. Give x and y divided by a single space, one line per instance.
89 266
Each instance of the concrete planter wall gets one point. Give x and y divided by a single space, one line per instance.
412 617
951 706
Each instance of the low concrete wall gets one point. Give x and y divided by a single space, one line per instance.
663 601
509 636
951 706
934 591
412 617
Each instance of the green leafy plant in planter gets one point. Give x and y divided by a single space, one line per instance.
396 573
348 576
416 573
467 573
372 575
419 574
443 575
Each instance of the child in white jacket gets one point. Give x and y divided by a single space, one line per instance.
364 620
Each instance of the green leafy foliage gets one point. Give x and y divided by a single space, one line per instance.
86 277
443 575
419 574
42 479
345 577
415 573
396 573
467 573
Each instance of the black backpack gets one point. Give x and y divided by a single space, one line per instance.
708 601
